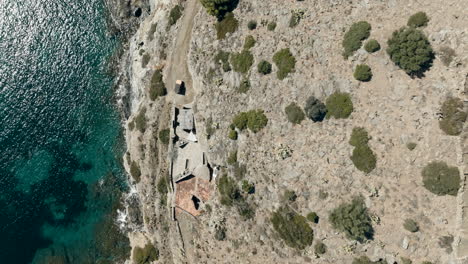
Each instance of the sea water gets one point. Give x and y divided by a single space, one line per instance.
60 175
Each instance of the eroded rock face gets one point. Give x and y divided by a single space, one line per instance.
393 108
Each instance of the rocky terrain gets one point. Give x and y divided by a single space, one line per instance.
394 108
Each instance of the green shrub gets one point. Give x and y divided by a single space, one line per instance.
249 42
372 46
228 25
296 17
165 136
271 26
353 219
140 120
426 262
411 225
209 128
220 233
314 109
366 260
256 120
410 50
157 86
135 171
264 67
240 121
232 134
228 190
419 19
232 158
359 137
320 248
294 113
289 196
175 14
244 86
441 179
406 261
223 58
353 38
239 170
339 105
162 188
446 55
292 228
285 62
313 217
145 255
145 60
241 62
453 116
248 187
364 159
252 24
219 8
246 211
363 73
411 145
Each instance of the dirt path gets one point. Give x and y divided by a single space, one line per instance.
177 67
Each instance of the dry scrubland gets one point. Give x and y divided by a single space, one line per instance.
298 166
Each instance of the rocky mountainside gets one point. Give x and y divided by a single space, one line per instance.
304 166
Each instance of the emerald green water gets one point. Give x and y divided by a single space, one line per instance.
60 175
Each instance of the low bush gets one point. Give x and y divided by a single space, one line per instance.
446 243
232 158
271 26
135 171
140 120
313 217
410 50
372 46
294 113
426 262
320 248
241 62
252 24
441 179
162 188
353 38
411 145
296 17
256 120
222 58
364 158
292 228
220 233
145 60
453 116
228 190
419 19
145 255
232 134
406 260
363 73
339 105
289 196
359 137
353 219
314 109
239 170
411 225
228 25
366 260
210 129
285 62
165 136
244 86
264 67
219 8
446 55
248 187
157 86
249 42
175 14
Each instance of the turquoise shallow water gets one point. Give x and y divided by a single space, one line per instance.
60 176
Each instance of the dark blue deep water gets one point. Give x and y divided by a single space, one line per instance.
60 175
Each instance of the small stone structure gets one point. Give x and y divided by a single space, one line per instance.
191 173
